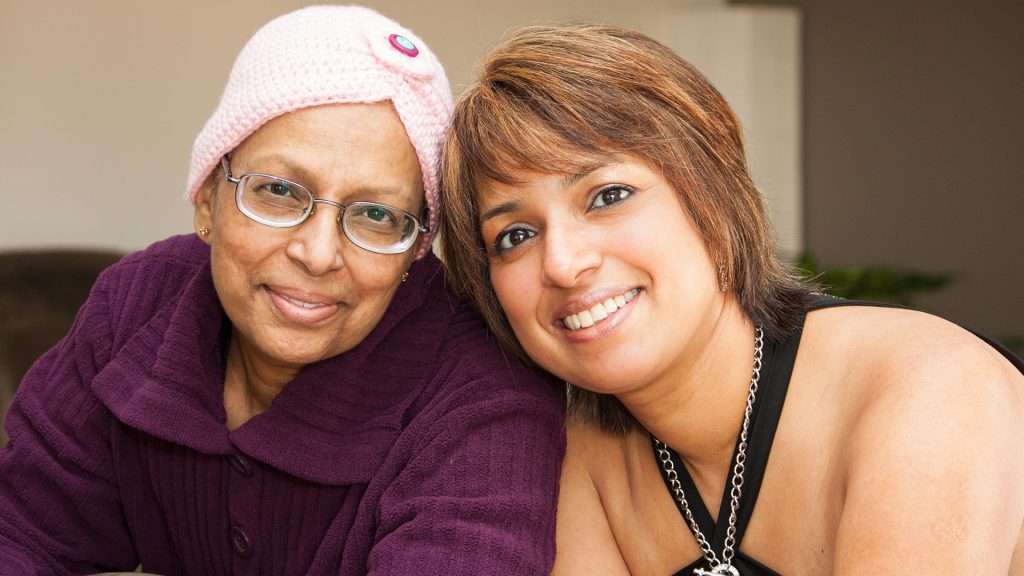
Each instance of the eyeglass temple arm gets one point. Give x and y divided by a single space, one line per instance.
227 170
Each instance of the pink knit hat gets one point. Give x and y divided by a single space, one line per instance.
327 55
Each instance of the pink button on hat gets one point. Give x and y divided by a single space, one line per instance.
330 55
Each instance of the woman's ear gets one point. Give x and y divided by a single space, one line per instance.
205 208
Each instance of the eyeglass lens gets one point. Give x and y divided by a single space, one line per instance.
282 203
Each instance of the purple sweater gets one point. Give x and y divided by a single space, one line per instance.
424 450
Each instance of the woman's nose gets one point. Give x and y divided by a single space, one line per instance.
317 243
569 253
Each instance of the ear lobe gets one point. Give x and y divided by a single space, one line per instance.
205 207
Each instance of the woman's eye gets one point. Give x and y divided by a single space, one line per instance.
278 189
379 214
375 218
611 195
511 238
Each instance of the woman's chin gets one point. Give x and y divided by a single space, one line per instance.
613 376
285 349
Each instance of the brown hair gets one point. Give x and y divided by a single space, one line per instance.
555 99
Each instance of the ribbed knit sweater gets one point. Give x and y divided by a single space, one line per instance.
424 450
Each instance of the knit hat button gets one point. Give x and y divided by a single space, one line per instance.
404 45
400 54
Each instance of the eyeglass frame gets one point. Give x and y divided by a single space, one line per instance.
419 228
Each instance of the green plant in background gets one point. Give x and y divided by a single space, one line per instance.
882 284
1015 343
896 285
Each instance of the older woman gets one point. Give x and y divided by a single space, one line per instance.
292 390
724 419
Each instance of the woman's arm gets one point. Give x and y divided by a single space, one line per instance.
478 491
59 507
935 462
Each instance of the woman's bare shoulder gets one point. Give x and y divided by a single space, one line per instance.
900 373
888 352
934 416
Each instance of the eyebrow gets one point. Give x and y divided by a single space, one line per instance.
503 208
571 179
567 181
390 194
300 175
278 162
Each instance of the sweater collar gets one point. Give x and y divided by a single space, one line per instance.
166 381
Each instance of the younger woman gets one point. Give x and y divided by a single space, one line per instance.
725 419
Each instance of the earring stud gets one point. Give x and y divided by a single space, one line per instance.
203 231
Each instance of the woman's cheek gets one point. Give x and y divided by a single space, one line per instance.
510 293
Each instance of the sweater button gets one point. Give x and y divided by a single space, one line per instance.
240 541
241 464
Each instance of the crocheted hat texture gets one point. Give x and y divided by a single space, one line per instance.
328 55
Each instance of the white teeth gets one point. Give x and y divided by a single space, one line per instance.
586 320
301 303
598 312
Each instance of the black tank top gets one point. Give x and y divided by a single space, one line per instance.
777 367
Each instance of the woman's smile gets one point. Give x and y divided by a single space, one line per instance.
598 312
302 308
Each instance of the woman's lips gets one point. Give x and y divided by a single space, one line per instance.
598 312
302 309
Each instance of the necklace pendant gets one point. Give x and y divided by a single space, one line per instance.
719 570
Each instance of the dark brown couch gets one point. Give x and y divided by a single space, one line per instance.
40 292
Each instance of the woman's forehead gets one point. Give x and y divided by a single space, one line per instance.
495 197
562 162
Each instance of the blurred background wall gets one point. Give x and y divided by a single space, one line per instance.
913 157
885 133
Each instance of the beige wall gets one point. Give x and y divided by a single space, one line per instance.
912 121
101 99
914 146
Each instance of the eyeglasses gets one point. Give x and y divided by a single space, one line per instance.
282 203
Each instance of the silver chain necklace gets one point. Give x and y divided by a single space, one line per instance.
723 566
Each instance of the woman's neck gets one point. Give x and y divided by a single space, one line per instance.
697 408
251 382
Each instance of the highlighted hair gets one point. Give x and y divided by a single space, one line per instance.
557 99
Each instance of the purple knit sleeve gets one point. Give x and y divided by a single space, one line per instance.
59 507
478 493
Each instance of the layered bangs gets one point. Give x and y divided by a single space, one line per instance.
503 132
